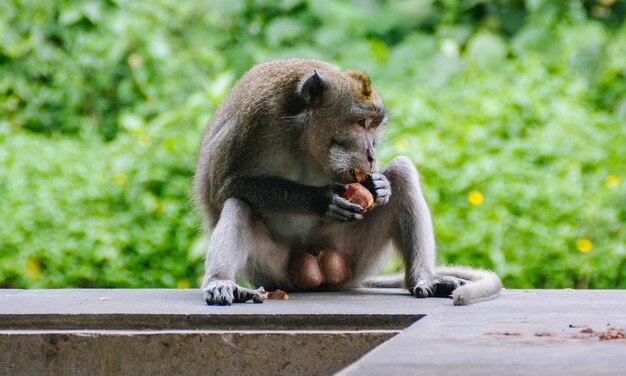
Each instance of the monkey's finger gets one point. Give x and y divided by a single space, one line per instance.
381 184
382 196
386 192
343 215
338 188
347 205
376 178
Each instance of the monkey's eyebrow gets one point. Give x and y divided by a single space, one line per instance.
369 109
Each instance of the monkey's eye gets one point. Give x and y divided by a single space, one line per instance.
362 123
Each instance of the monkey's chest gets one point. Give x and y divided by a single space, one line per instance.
293 228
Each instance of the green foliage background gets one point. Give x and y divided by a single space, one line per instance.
102 104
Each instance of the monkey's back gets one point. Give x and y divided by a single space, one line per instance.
256 114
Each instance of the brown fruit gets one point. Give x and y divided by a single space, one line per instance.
304 271
278 295
359 175
333 266
358 194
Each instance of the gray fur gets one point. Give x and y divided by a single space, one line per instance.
269 175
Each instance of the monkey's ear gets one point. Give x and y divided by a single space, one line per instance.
313 88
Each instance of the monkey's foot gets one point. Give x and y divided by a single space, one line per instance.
225 292
440 286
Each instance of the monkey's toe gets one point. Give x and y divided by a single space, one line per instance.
421 292
439 286
219 296
219 292
242 295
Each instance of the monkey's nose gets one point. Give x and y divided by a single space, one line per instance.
370 159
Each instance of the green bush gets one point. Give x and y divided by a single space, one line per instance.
514 113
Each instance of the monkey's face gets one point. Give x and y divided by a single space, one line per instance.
352 140
345 126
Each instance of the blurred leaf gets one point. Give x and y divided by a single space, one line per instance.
281 30
486 50
102 106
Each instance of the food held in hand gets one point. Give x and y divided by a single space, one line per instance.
358 194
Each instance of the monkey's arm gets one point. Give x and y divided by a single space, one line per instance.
269 193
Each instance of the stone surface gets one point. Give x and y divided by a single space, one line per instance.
523 332
185 309
174 332
183 352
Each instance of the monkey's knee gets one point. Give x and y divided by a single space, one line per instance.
400 168
236 222
402 175
236 211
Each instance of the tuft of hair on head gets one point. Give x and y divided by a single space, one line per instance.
364 80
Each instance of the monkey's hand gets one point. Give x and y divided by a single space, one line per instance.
225 292
437 285
379 187
339 209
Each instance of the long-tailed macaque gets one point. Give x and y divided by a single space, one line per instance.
273 164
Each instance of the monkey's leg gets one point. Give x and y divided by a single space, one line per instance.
405 220
413 233
238 235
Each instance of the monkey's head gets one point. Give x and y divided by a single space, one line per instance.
344 115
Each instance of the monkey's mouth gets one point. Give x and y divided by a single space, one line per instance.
355 175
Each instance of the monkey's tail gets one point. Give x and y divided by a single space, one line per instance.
386 281
484 284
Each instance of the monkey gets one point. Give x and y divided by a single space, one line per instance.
273 162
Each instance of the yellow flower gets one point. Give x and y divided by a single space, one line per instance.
584 245
33 266
475 198
612 181
120 179
402 144
183 283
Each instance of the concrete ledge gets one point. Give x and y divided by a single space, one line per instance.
170 332
184 309
197 352
522 332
